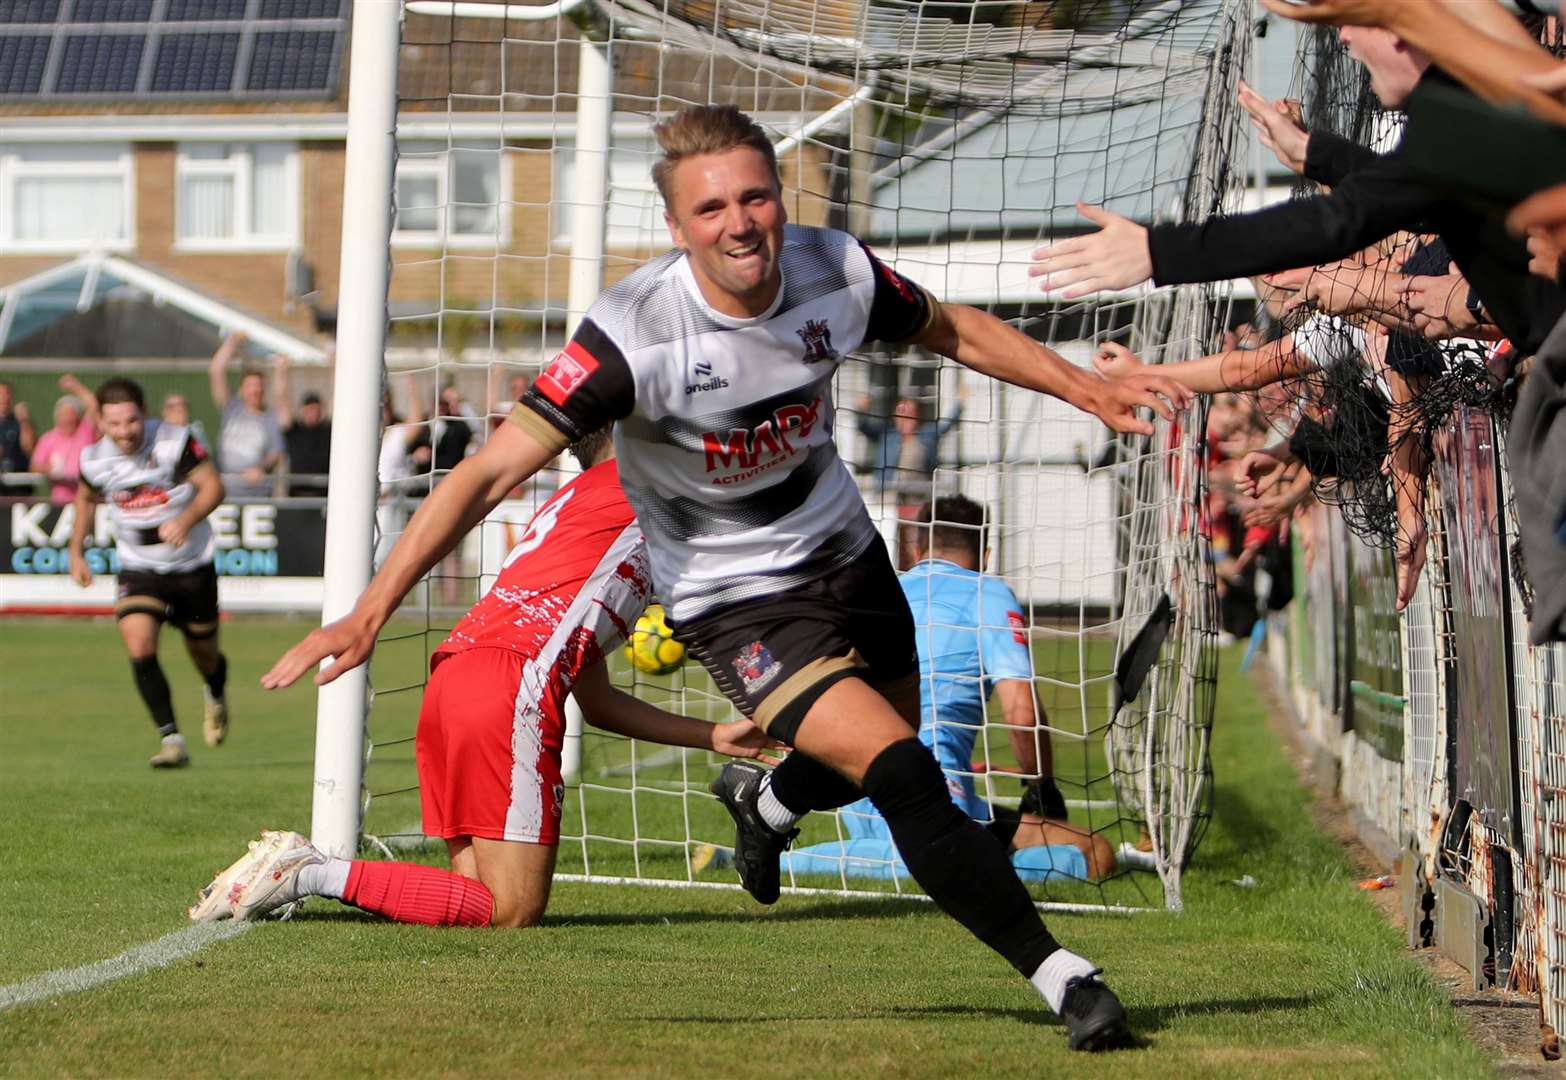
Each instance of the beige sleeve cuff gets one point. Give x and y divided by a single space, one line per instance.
547 435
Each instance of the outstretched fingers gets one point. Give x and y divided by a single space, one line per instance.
347 650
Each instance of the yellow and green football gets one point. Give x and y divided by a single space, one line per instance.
652 648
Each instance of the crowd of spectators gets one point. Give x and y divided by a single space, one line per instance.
1416 280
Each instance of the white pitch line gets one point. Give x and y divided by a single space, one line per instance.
155 954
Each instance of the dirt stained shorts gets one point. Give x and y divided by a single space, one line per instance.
488 754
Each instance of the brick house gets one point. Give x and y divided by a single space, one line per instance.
205 140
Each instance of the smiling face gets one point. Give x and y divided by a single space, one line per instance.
726 212
123 422
252 391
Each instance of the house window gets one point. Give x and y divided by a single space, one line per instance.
634 217
449 194
237 195
65 197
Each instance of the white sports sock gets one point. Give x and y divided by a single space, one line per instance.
778 817
1059 968
327 878
1128 856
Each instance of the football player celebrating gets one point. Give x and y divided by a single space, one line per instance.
715 362
160 485
492 725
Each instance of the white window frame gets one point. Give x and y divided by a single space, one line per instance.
240 165
439 167
13 168
630 163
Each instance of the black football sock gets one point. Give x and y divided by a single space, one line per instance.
954 858
217 682
803 784
153 686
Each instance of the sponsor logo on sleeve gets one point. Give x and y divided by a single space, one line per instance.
566 373
1019 627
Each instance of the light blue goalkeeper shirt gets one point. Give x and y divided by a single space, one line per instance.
971 634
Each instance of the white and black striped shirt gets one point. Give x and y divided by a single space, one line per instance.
146 488
724 426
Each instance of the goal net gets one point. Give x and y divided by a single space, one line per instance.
953 138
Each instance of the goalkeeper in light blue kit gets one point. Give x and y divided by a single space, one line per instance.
973 643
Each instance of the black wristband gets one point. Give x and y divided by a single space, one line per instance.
1475 305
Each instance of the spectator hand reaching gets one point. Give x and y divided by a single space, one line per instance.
1410 555
1114 361
1257 472
1439 305
1546 261
1279 127
1114 257
1541 214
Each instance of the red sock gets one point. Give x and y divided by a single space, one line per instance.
412 893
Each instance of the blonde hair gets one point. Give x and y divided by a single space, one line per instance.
706 129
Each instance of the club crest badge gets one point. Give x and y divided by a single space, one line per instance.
817 337
756 667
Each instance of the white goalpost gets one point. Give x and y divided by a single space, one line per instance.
498 180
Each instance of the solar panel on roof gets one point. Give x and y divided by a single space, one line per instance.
293 48
111 11
194 63
292 60
26 11
199 10
300 9
100 63
22 61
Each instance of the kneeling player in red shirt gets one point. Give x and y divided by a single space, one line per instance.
492 725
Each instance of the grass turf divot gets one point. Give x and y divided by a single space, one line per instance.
1298 976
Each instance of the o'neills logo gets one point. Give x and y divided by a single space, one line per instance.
754 450
719 383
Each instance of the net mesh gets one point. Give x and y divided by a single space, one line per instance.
952 138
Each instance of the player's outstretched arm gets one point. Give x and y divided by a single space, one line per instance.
982 342
458 503
614 710
85 509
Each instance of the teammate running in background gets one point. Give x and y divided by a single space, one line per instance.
715 364
492 725
160 484
973 643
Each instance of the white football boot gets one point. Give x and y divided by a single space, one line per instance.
214 718
259 881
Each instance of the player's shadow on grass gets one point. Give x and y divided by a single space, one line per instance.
1144 1021
890 908
869 908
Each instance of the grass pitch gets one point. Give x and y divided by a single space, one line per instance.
1298 976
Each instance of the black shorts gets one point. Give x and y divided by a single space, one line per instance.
776 655
189 600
